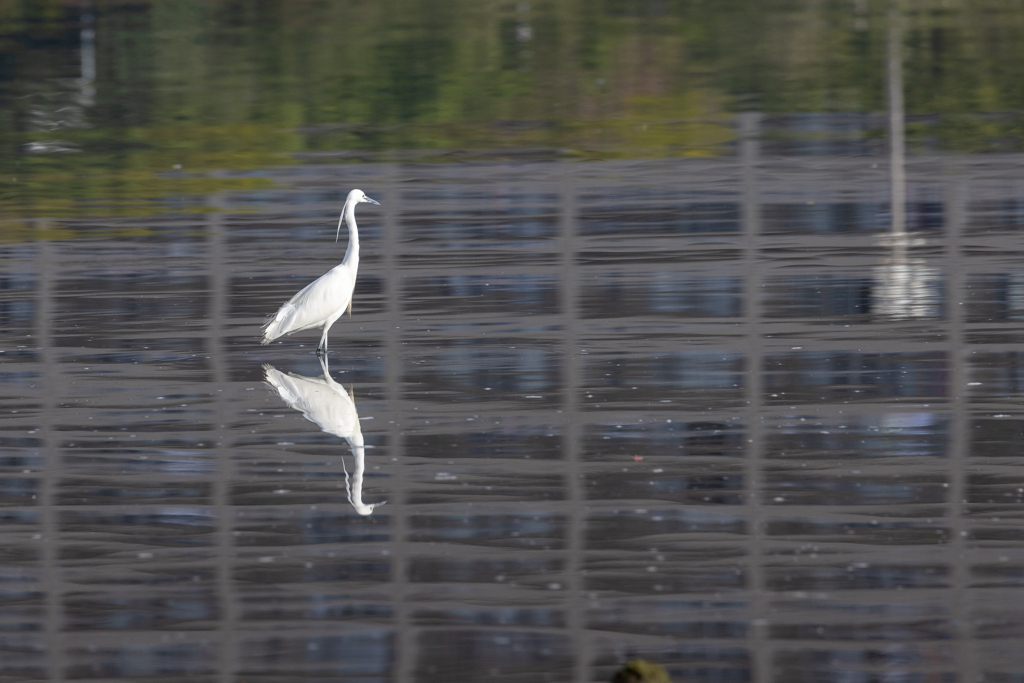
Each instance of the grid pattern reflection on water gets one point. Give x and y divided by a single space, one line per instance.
698 411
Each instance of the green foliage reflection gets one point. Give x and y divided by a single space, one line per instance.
208 85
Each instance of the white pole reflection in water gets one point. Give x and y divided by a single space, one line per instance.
63 103
325 403
897 144
907 287
87 96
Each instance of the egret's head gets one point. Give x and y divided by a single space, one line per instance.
359 197
348 211
364 509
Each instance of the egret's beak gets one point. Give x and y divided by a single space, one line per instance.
373 201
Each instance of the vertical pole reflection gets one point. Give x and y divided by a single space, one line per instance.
955 213
900 291
86 82
404 633
571 454
760 658
218 284
47 503
897 150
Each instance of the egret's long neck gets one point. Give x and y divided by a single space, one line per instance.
352 253
355 487
357 476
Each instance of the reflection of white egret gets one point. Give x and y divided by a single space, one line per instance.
324 300
325 403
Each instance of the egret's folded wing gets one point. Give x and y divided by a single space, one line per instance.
312 306
325 404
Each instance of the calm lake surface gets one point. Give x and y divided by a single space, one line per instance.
690 398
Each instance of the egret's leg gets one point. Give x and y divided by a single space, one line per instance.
323 342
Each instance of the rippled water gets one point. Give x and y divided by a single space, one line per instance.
698 411
640 364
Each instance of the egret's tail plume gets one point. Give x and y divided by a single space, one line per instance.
269 332
272 329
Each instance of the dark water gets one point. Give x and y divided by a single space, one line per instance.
712 411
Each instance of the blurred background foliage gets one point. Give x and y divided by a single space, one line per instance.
111 106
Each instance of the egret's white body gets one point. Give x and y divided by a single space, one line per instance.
324 300
325 403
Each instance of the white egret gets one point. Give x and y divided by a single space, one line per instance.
326 404
325 299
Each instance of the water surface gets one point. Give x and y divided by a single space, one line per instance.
733 452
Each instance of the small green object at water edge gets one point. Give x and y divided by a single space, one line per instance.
641 671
